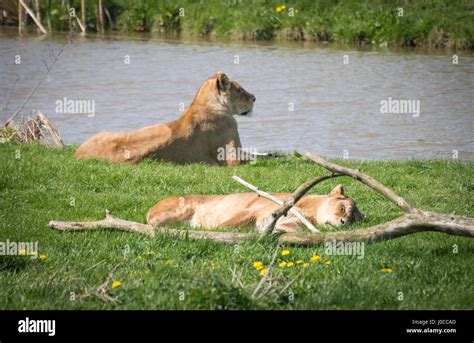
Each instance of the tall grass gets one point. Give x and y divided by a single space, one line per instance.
425 23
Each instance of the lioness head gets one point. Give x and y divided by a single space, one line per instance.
337 209
225 95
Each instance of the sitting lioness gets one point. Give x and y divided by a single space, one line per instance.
251 210
206 132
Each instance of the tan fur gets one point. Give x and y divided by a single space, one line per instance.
251 210
196 136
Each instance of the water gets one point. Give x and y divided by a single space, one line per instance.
337 107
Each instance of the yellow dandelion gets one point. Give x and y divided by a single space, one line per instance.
386 270
263 271
22 251
43 257
285 252
258 265
296 10
283 7
289 264
279 9
299 261
327 262
116 284
315 258
305 265
282 264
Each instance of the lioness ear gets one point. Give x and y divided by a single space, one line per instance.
338 190
223 82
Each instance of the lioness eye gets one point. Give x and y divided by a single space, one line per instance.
343 208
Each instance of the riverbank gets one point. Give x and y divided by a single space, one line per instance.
39 184
425 23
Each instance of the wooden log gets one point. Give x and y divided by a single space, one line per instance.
111 222
405 225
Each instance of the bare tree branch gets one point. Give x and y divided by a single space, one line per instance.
414 220
405 225
365 179
111 222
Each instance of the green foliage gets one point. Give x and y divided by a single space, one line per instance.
166 272
425 23
137 15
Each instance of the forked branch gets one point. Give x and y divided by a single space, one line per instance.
365 179
414 220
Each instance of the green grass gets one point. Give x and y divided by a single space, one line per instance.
169 273
425 23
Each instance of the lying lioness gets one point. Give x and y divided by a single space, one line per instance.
250 210
204 131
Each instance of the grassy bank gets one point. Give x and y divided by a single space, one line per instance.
38 184
423 23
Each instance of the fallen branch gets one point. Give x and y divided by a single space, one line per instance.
111 222
414 220
405 225
365 179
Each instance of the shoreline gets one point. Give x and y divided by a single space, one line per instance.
396 24
8 32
